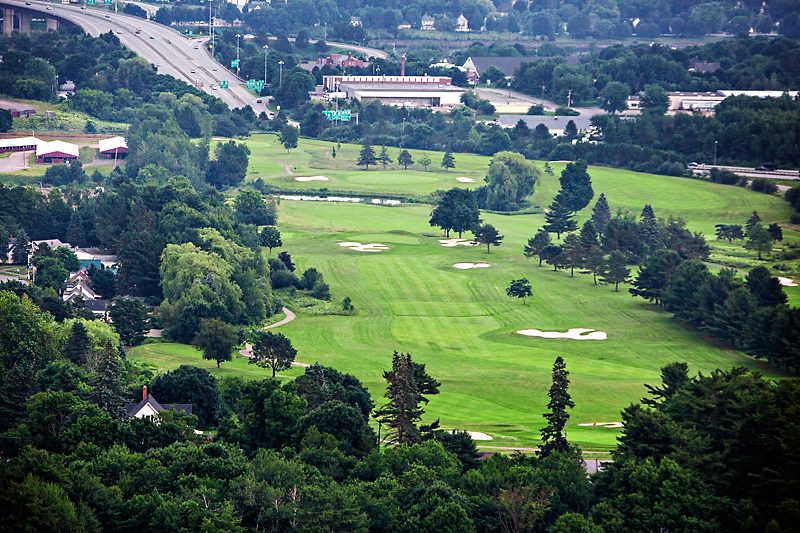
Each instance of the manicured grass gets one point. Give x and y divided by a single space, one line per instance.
460 323
170 356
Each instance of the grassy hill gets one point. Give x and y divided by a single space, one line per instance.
460 322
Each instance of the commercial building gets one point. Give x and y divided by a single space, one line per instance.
475 66
112 148
56 152
406 91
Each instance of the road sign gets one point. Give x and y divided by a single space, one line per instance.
251 84
190 32
234 63
90 2
223 84
342 114
259 85
106 2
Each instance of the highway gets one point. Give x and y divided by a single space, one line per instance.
161 45
174 54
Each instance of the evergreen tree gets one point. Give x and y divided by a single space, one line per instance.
384 157
573 253
488 235
108 392
594 261
601 214
367 156
130 319
559 219
776 232
22 248
537 244
405 159
754 219
519 288
649 230
767 290
448 161
758 239
588 236
576 186
571 131
615 271
78 344
3 244
554 437
402 412
425 161
75 234
553 255
548 169
729 231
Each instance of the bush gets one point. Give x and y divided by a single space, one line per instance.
764 185
283 278
795 218
322 291
563 111
537 109
347 304
725 177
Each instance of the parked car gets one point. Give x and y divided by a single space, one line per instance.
692 165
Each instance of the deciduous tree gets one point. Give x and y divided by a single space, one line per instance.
425 161
729 232
271 238
405 159
758 240
272 350
510 180
288 137
216 340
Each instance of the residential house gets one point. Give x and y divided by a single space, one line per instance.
356 22
462 23
427 23
149 407
702 66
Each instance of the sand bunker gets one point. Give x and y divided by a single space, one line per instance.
452 243
604 424
358 247
477 435
465 180
573 333
464 266
311 178
786 282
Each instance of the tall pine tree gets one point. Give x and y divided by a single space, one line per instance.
554 437
75 234
649 231
402 412
78 344
576 186
108 391
22 248
588 236
601 214
559 219
367 156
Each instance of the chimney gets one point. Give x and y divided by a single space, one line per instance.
144 392
403 65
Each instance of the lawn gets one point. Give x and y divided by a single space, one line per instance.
460 323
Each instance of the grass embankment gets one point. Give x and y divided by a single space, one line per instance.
460 322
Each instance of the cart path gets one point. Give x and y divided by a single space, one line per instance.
248 349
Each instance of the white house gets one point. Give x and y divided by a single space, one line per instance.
427 22
463 23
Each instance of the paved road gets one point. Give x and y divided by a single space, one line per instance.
163 46
15 161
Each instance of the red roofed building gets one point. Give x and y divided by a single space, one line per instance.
115 147
56 152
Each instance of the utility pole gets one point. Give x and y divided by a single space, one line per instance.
569 98
237 53
715 153
543 88
280 79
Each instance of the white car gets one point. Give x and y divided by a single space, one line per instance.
192 71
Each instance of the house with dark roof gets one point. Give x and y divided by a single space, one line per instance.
427 22
149 407
702 66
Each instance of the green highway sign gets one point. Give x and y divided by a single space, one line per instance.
90 2
342 114
223 84
251 84
259 84
234 63
106 2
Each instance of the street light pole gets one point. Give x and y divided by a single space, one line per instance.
237 53
715 153
280 79
569 98
266 54
543 88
